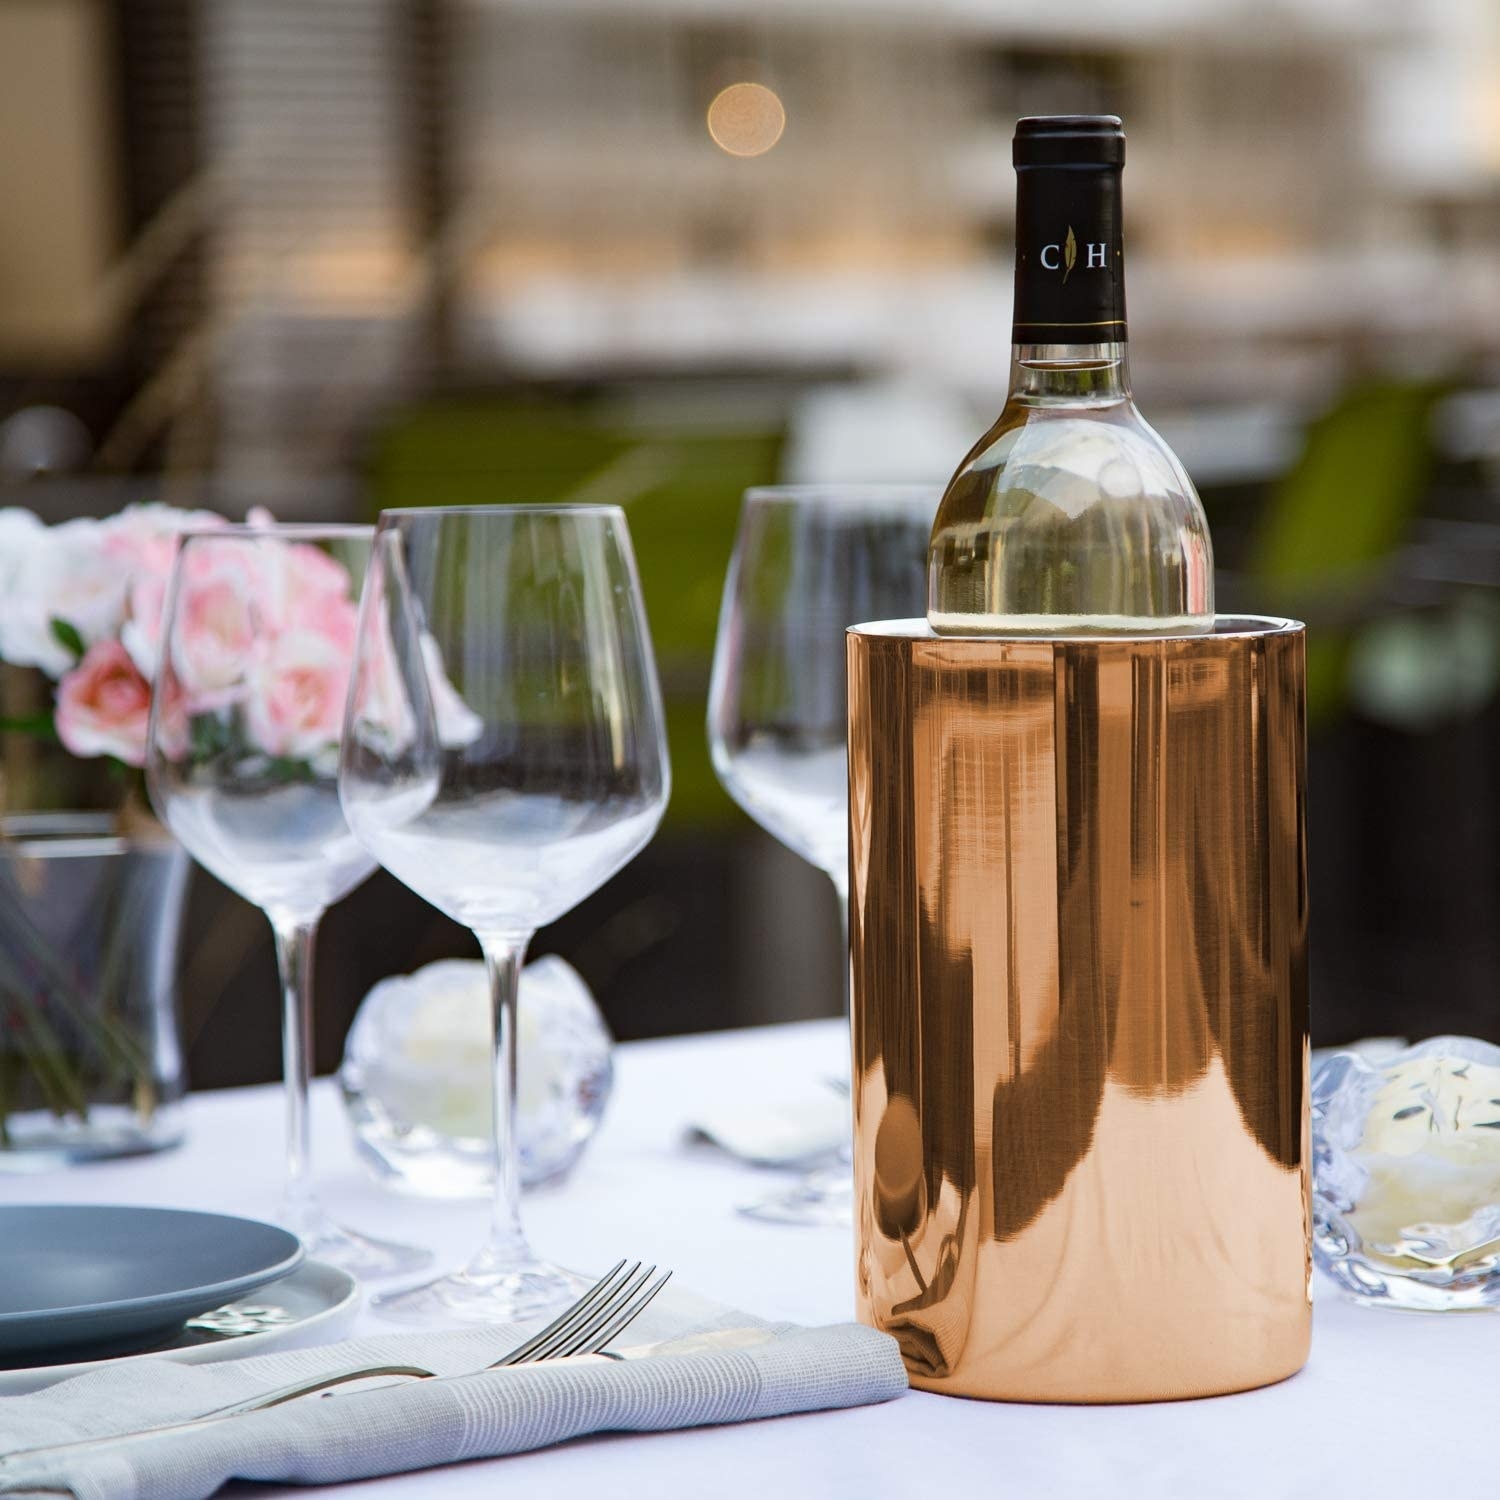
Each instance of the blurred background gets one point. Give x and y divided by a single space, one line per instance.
330 257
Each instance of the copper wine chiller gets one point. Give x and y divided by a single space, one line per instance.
1079 943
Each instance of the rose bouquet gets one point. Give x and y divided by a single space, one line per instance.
82 609
83 602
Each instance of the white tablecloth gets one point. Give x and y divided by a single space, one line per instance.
1392 1404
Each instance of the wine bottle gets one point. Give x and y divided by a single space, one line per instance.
1070 516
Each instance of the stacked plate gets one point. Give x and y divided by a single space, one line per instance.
81 1284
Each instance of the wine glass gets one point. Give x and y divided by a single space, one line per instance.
504 755
809 561
242 762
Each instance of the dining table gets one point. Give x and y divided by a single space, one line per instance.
1390 1403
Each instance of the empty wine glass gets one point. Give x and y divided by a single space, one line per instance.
504 755
809 561
242 764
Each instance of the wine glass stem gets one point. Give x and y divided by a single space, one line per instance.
295 937
503 956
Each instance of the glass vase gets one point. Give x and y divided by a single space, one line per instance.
90 1049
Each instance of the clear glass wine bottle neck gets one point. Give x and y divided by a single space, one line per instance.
1069 374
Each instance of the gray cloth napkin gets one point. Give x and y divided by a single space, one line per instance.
416 1425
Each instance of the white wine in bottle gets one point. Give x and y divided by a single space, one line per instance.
1070 516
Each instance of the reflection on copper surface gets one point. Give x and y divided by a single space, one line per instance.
1078 923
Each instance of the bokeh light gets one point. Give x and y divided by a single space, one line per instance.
746 119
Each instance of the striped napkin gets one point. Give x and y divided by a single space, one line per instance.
700 1363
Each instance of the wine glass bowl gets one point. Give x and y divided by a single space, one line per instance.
282 846
244 740
809 561
504 755
533 784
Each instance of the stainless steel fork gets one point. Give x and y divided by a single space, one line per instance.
609 1307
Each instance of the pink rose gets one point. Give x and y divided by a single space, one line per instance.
313 571
141 633
331 613
296 708
104 705
144 539
308 589
214 638
303 586
146 535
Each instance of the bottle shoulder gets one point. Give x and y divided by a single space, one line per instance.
1071 459
1070 518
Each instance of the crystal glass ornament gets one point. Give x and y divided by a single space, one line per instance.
1406 1175
417 1087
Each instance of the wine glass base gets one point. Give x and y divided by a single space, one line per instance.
823 1198
363 1256
487 1290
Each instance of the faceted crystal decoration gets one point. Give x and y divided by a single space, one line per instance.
416 1082
1406 1164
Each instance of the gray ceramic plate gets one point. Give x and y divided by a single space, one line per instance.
101 1280
317 1302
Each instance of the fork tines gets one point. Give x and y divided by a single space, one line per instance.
610 1305
631 1312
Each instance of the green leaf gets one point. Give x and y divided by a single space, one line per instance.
1070 254
39 724
67 637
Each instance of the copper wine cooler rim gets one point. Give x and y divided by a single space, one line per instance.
1236 627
